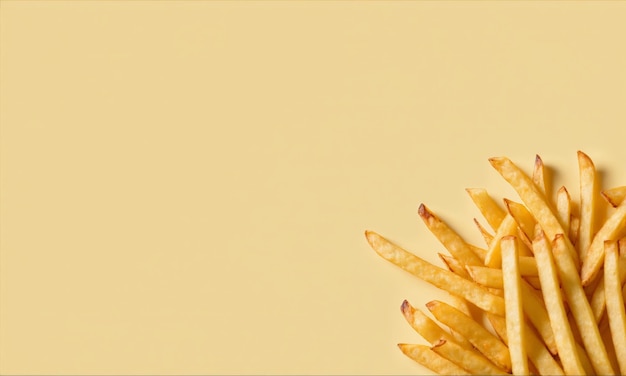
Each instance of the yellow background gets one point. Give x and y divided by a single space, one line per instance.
185 185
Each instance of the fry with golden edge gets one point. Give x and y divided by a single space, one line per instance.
472 362
563 335
489 208
583 315
564 207
430 359
438 277
612 229
615 303
485 342
588 194
515 326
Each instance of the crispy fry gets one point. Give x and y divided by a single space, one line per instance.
427 328
598 299
534 200
448 237
489 208
472 362
583 315
615 302
430 359
588 210
564 207
515 326
612 229
615 196
438 277
494 255
488 344
539 175
574 227
525 222
563 336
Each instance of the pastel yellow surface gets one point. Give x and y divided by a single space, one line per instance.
184 186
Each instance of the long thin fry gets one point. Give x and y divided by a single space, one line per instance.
612 229
472 362
427 328
525 221
564 338
448 237
588 194
615 303
564 207
438 277
583 315
539 175
488 344
430 359
515 326
534 200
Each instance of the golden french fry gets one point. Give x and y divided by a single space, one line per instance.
580 308
615 303
485 342
427 328
485 276
498 323
472 362
598 299
448 237
485 234
588 195
430 359
615 196
563 335
489 208
539 175
613 229
515 326
535 201
438 277
454 265
525 221
494 255
564 207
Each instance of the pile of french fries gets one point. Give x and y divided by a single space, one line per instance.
544 296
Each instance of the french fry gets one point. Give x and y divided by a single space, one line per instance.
612 229
438 277
528 266
448 237
615 196
472 362
525 221
563 336
481 253
485 276
494 254
588 194
564 208
430 359
539 175
489 208
615 303
583 315
515 326
534 200
598 299
485 342
427 328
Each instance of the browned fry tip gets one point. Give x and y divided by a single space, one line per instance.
424 212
